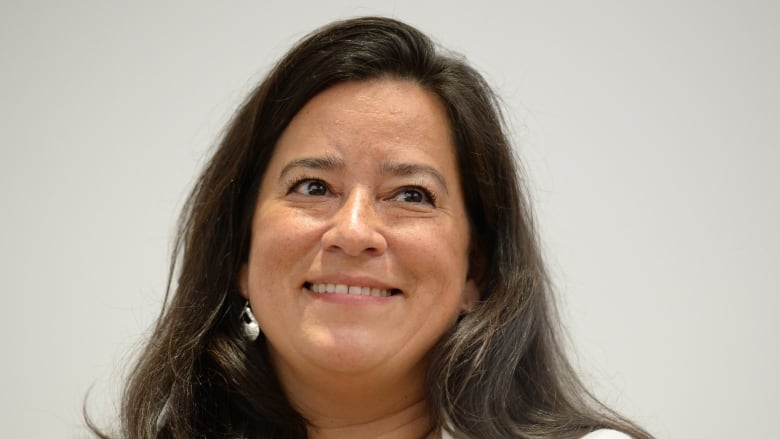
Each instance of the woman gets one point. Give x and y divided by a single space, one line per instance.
358 259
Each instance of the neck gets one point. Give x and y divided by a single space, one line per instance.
349 406
409 422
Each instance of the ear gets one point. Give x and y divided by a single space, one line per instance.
243 281
474 276
470 296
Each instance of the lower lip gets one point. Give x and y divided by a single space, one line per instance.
349 299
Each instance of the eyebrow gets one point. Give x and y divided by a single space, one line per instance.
411 169
325 163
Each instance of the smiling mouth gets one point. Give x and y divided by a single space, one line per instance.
352 290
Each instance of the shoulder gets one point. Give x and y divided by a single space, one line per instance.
606 434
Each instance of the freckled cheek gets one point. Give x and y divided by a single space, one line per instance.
280 243
437 256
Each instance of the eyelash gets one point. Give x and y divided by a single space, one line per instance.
428 195
293 184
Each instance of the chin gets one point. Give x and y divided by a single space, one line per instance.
350 351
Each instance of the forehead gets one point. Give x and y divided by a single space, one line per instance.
387 113
377 97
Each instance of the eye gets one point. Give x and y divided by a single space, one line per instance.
416 195
310 187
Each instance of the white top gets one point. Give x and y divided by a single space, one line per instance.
606 434
598 434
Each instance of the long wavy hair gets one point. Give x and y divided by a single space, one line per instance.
499 372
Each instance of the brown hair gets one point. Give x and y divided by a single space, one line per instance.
499 372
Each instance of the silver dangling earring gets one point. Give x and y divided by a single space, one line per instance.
249 323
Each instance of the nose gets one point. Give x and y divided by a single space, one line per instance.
355 228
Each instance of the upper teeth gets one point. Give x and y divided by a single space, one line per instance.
348 289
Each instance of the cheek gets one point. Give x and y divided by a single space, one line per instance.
445 246
279 235
280 245
439 258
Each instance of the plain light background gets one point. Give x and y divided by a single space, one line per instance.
649 131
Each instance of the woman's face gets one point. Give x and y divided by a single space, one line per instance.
359 254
